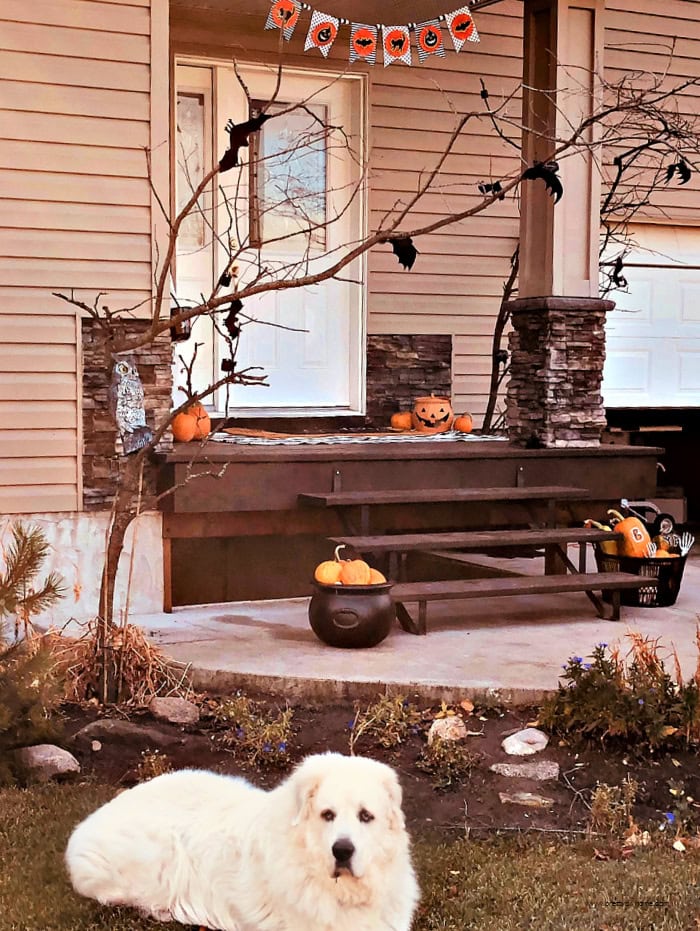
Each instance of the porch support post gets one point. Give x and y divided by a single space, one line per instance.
562 52
558 339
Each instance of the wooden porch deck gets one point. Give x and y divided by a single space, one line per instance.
233 528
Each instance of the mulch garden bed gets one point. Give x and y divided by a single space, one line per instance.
472 806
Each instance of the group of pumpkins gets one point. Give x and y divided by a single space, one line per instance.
191 424
339 571
633 538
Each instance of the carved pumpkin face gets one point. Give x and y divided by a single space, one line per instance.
432 415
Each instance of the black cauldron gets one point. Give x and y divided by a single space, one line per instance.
352 615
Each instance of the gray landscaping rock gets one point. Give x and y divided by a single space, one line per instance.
540 770
111 730
528 799
451 728
174 710
525 742
45 761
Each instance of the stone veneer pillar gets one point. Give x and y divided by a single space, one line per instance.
557 348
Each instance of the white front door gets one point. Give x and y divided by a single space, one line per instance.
653 335
308 341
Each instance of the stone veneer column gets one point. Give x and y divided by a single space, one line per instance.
557 348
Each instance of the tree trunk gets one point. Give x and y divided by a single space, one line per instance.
501 322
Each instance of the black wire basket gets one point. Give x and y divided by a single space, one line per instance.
668 572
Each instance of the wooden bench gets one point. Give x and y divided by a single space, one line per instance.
553 539
365 500
422 592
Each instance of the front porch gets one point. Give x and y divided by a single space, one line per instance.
236 506
508 649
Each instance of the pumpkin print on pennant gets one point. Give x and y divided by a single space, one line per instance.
432 415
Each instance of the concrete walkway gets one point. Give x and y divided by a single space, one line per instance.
508 649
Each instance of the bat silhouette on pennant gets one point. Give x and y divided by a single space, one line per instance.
547 171
683 169
238 138
404 250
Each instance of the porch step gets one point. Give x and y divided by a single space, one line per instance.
474 540
334 499
422 592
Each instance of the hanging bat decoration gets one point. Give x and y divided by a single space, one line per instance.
231 321
618 279
404 250
126 406
494 188
683 169
547 171
227 276
238 138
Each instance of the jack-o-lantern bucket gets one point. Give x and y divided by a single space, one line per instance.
432 415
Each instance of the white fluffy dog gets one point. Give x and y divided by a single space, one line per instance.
327 850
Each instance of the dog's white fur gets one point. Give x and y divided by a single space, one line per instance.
205 849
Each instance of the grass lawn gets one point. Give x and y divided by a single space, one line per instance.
499 885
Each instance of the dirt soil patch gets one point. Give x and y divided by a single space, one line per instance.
472 806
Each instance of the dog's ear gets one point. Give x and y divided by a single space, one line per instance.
393 790
304 782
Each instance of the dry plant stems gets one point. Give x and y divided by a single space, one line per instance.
449 762
634 703
145 670
261 736
387 722
621 120
611 807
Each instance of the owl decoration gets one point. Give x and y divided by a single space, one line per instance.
126 406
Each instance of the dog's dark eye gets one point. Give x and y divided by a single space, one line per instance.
365 816
328 815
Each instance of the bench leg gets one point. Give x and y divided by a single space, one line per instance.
407 622
615 610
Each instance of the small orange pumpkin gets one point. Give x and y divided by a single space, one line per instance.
202 421
328 572
402 420
183 427
634 536
376 577
355 572
463 423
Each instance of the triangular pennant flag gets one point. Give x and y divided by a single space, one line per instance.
322 33
284 15
429 38
397 44
461 27
363 43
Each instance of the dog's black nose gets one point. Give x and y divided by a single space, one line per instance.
343 850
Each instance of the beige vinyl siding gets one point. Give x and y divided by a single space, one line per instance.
639 37
76 112
456 283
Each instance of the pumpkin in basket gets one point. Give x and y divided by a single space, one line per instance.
634 536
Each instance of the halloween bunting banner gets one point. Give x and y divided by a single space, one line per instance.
366 38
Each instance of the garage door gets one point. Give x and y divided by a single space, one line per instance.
653 335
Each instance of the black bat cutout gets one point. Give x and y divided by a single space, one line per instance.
231 322
225 280
683 169
618 278
238 138
405 251
363 43
462 27
494 188
547 171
